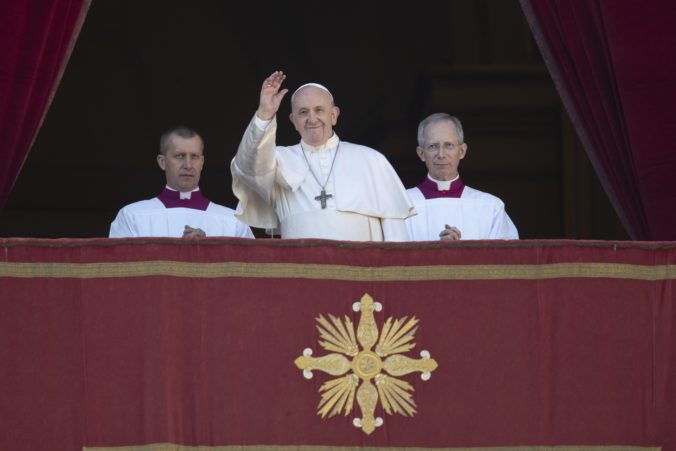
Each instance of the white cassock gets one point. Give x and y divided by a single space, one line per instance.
278 191
478 216
151 218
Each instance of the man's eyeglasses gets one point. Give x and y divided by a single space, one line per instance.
435 147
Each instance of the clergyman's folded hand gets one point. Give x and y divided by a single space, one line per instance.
450 233
190 232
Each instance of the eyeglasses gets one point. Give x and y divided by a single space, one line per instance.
436 147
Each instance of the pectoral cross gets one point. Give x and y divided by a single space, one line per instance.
322 198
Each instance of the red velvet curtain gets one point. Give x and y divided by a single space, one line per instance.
613 64
36 39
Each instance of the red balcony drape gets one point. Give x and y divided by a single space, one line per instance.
107 343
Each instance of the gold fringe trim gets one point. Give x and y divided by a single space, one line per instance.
338 272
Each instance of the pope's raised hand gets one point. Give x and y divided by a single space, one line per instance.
271 96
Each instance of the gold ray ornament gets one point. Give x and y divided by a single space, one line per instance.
366 374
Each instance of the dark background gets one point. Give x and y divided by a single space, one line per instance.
139 68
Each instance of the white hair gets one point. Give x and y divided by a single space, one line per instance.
316 85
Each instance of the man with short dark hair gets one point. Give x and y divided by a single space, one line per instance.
180 210
447 208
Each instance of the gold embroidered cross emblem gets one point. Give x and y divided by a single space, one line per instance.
366 365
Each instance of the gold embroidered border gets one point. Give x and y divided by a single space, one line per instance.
173 447
338 272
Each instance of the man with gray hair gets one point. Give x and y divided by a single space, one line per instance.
447 208
322 187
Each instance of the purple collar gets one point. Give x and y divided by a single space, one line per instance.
430 189
171 199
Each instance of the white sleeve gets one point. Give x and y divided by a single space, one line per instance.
503 228
394 229
254 173
255 162
121 226
244 231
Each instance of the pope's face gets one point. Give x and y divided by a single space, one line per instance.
182 163
314 115
441 151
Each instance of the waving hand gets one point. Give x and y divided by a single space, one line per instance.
271 96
